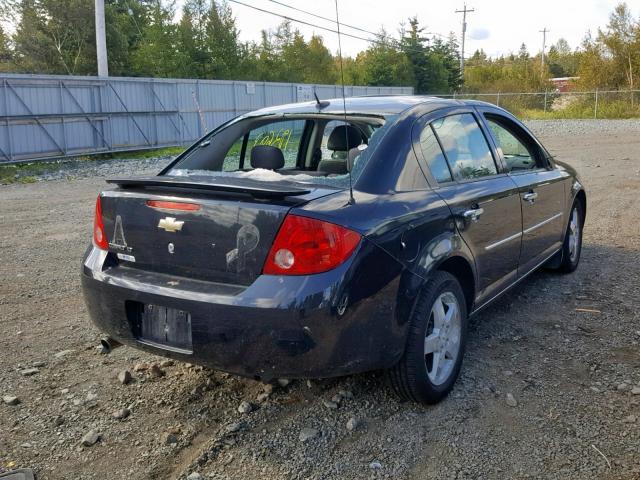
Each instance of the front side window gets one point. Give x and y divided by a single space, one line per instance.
465 146
516 154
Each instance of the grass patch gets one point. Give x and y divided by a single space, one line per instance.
29 172
23 173
139 154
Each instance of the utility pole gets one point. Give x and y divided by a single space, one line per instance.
464 12
544 32
101 40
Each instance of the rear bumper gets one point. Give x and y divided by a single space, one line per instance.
277 327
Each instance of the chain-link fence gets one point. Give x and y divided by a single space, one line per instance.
552 104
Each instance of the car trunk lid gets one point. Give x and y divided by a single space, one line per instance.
217 230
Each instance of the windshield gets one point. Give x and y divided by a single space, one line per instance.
319 149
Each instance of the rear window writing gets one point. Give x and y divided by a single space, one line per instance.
273 138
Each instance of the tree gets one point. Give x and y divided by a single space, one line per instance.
448 52
6 55
319 64
124 23
561 60
33 49
383 63
623 43
192 38
595 70
221 41
428 64
157 54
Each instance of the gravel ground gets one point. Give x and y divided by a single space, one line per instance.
574 375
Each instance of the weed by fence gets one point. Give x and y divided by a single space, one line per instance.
551 104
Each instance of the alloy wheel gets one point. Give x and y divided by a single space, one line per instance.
442 338
574 234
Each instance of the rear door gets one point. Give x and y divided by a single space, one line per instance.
540 186
484 200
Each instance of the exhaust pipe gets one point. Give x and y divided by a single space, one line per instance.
109 344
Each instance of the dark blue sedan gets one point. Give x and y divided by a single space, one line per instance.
316 240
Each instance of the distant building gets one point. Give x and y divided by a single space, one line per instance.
564 84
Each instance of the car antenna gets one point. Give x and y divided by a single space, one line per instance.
320 104
344 108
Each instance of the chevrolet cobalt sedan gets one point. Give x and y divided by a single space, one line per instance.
322 239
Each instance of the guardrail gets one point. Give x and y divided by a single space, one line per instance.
50 116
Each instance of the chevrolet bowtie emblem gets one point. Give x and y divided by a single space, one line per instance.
170 224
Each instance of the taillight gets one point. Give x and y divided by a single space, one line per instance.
99 237
305 246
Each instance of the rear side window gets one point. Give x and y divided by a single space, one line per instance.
433 156
465 146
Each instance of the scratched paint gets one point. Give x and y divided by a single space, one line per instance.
247 240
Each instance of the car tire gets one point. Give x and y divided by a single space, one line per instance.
430 365
572 244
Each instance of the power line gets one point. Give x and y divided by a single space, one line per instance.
291 19
295 20
342 24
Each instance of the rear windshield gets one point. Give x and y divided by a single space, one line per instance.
316 149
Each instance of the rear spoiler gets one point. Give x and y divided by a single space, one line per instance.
244 186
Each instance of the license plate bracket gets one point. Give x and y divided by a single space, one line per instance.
166 328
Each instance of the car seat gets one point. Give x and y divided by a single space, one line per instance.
342 139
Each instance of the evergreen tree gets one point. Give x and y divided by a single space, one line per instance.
157 54
192 38
385 64
124 23
429 68
562 61
221 41
33 48
6 54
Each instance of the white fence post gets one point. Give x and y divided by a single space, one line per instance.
595 107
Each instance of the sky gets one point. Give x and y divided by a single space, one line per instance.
496 26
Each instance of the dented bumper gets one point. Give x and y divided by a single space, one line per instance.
279 326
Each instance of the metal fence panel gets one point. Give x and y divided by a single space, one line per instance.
49 116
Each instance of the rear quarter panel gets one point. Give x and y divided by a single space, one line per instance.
415 229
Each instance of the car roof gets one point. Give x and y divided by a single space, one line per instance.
375 105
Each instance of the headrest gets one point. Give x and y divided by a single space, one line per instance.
266 156
343 138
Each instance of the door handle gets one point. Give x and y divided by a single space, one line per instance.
473 214
530 197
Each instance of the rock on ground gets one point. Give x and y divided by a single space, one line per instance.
90 438
11 400
307 434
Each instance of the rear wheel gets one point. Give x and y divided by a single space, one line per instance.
433 355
